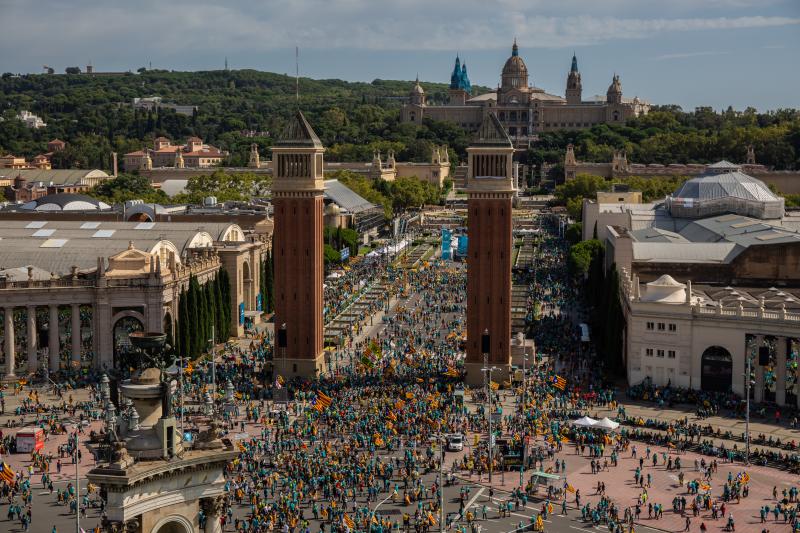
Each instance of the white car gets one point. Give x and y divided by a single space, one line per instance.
455 443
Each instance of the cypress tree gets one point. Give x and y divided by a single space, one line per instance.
225 292
199 331
220 316
211 312
193 304
183 322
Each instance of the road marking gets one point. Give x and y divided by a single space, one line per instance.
477 494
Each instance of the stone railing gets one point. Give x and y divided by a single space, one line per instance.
753 314
46 284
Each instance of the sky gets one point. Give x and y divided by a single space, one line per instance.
686 52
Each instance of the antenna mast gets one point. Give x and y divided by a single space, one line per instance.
297 74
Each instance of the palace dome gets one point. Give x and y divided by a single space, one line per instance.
515 72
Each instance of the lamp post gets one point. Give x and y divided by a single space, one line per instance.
77 487
487 374
748 384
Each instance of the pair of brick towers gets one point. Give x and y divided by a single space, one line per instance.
297 196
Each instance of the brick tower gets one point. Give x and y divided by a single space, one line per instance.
297 247
490 187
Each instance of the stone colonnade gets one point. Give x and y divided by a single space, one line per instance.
32 339
778 381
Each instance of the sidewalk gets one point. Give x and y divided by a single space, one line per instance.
722 423
620 487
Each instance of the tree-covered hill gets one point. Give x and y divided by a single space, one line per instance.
93 113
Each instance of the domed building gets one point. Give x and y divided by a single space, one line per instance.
65 202
724 188
523 109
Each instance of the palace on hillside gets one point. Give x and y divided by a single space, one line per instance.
524 109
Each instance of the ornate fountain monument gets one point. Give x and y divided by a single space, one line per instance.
151 482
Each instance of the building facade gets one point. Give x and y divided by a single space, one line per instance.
710 277
523 109
72 291
700 337
490 188
194 154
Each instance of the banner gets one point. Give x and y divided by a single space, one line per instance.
447 243
462 245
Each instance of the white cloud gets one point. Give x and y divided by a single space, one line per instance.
200 26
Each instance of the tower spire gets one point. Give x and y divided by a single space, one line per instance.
574 67
515 48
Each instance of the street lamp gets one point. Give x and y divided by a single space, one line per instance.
77 486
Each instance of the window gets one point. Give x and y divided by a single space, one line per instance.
650 326
659 353
661 326
649 352
673 327
671 354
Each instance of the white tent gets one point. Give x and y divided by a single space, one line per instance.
607 423
584 422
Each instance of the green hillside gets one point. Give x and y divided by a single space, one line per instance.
93 113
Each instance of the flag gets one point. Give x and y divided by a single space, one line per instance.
241 447
451 372
494 385
391 416
431 519
349 522
409 396
6 473
570 488
399 404
559 382
323 401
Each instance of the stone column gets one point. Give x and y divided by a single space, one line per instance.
76 335
52 338
758 395
780 370
33 358
9 337
213 509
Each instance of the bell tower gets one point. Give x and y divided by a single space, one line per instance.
297 248
574 87
490 186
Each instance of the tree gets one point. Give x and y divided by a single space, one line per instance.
331 256
581 256
225 294
225 187
574 233
128 187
